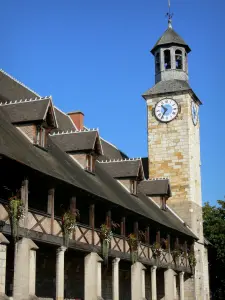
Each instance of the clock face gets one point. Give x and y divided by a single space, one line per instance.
194 112
166 110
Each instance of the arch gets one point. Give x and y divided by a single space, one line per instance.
157 62
167 59
179 59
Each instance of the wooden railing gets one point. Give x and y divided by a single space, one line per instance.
41 222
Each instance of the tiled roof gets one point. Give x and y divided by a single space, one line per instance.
170 86
75 140
155 187
123 168
11 88
110 151
170 37
64 121
26 110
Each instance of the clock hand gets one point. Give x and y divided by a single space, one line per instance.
165 110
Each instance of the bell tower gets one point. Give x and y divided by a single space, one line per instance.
174 143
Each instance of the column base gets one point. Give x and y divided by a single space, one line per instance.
3 297
33 297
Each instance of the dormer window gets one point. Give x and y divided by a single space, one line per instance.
90 163
133 187
179 59
167 60
41 136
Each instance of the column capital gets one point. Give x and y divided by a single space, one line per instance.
181 274
116 260
153 268
61 249
3 239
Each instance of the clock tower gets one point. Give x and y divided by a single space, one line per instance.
174 144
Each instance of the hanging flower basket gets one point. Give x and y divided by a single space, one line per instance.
105 236
192 260
68 225
176 253
133 244
16 211
156 249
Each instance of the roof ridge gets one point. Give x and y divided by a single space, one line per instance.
156 178
25 100
73 131
19 82
119 160
109 143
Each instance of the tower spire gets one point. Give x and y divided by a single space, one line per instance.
169 15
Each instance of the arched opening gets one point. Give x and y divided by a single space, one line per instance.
167 59
178 59
157 63
186 62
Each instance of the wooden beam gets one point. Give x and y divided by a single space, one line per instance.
158 237
24 198
123 232
108 219
147 235
136 229
51 207
168 242
92 221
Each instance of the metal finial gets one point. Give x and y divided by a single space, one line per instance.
169 15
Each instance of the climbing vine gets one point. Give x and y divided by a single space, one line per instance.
133 244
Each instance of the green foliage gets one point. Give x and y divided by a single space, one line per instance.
214 231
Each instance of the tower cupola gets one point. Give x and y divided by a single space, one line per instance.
171 56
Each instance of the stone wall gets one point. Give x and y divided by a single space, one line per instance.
174 152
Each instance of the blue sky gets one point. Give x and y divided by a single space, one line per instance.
94 56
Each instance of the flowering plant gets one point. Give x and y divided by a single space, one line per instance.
106 236
68 225
16 211
156 249
133 244
192 260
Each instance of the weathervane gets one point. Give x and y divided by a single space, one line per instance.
169 15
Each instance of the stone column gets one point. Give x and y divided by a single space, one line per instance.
137 281
24 269
92 276
3 248
32 279
143 283
181 280
153 283
169 284
115 279
60 273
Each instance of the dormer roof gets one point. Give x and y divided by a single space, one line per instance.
170 37
127 168
156 187
29 110
74 140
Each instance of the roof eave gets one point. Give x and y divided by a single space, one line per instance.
188 49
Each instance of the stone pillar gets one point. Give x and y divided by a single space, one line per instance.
24 269
32 279
92 276
154 283
115 279
181 281
143 284
169 284
3 248
60 273
137 281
